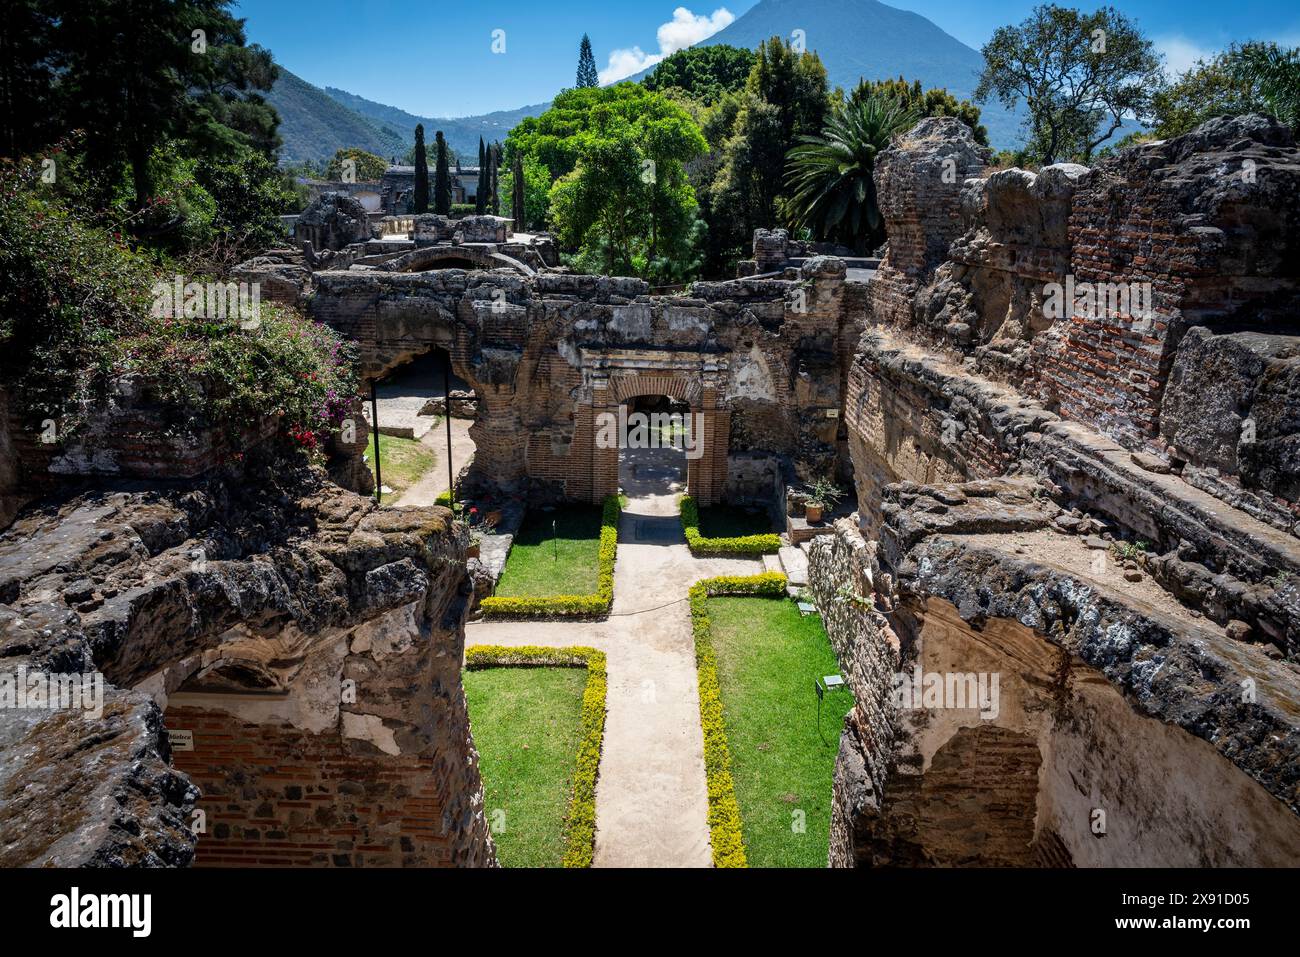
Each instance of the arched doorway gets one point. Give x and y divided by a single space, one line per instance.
658 437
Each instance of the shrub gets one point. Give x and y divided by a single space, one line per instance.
75 312
765 544
580 822
725 831
586 606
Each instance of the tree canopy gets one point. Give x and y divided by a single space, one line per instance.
1081 76
932 102
620 197
703 73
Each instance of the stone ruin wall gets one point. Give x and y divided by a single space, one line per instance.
761 360
309 643
1122 686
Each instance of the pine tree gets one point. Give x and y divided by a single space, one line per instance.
480 193
421 198
442 178
587 75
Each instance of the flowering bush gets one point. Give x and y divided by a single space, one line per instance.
75 313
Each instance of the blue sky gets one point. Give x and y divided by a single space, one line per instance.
437 59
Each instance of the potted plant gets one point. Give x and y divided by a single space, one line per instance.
822 494
474 542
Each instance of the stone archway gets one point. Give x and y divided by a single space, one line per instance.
454 257
622 376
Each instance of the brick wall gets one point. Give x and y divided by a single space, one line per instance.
275 795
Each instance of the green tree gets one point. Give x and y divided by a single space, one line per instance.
441 177
537 186
625 203
480 192
1081 76
833 192
368 167
134 76
933 102
785 98
1273 75
420 200
703 73
587 73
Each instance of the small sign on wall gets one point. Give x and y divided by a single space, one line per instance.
181 740
832 413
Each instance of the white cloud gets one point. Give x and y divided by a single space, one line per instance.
684 30
1181 53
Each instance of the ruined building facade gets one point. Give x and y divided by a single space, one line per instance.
1097 504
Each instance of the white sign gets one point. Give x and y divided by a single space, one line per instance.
181 740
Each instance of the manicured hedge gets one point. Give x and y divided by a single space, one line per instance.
552 606
767 544
724 813
580 823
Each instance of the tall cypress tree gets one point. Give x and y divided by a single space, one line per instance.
442 178
587 75
421 198
517 193
496 179
480 193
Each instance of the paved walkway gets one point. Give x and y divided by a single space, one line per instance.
651 801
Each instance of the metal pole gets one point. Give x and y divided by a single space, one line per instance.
446 409
374 418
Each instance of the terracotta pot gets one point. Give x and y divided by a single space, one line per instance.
472 551
813 512
493 518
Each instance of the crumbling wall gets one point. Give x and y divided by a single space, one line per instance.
280 616
1081 722
546 355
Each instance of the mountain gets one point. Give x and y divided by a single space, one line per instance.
462 133
314 125
864 39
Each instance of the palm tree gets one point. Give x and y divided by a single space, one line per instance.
833 193
1274 74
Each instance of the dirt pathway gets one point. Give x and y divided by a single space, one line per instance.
434 482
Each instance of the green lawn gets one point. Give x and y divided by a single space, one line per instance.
533 569
728 521
402 462
526 724
768 656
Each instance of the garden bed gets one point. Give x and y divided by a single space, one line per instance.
726 530
538 728
769 767
565 570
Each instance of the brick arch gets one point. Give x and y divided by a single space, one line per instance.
683 388
454 257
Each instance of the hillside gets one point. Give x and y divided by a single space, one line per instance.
462 133
314 125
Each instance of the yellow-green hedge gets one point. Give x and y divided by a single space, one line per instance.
724 813
580 822
767 544
587 606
